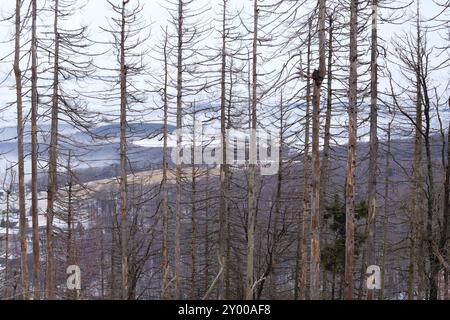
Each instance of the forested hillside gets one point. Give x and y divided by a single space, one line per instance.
224 150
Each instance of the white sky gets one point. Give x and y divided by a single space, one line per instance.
96 13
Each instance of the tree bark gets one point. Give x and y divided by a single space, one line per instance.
386 217
20 157
34 155
306 180
179 124
315 201
123 158
252 166
351 158
53 164
223 202
373 148
165 208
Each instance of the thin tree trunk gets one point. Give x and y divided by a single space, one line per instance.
113 251
318 76
351 160
20 158
102 258
418 252
252 166
123 159
305 221
179 124
53 162
223 202
70 256
34 155
165 244
228 175
434 263
386 217
446 219
8 193
206 235
194 292
373 148
324 169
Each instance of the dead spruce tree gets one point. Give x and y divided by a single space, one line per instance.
128 31
20 152
318 76
351 157
34 152
69 62
188 23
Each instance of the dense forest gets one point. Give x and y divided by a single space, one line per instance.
226 149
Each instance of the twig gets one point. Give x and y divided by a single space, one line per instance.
215 279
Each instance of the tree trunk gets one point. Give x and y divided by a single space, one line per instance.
72 295
123 159
179 124
324 169
34 155
351 158
206 235
434 263
252 166
194 293
315 202
20 158
165 244
8 193
443 245
373 148
223 202
53 164
305 221
386 217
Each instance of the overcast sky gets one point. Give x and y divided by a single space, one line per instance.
97 12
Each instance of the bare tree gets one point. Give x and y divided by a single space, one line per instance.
373 152
318 76
20 154
34 153
351 158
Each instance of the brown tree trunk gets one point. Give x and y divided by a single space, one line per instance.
165 244
123 159
228 175
223 202
373 148
179 124
34 155
315 201
8 193
434 263
252 166
351 158
386 217
324 169
70 258
194 292
443 245
53 163
20 158
206 235
306 167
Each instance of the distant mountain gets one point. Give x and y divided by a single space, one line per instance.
134 130
97 149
